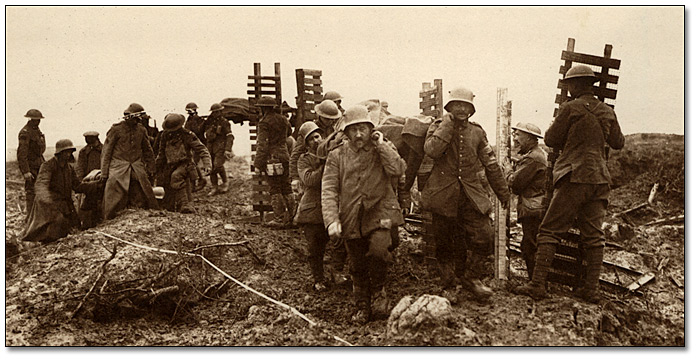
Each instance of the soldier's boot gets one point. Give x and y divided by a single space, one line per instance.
471 279
291 206
362 295
278 210
214 184
224 182
594 264
543 260
380 304
362 314
182 202
447 280
529 251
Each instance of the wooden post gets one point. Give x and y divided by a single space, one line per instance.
503 116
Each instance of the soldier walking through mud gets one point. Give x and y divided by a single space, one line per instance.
309 215
30 153
581 181
272 158
360 207
456 197
175 159
220 144
52 215
89 160
127 164
195 124
529 182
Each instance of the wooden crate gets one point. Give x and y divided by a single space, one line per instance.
261 86
309 94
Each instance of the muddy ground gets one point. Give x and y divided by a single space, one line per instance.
91 290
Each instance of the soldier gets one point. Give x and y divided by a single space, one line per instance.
309 216
336 98
220 144
52 214
195 123
327 116
89 159
175 157
272 157
30 153
581 182
127 164
360 207
529 183
456 197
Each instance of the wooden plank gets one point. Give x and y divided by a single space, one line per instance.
644 279
263 92
312 81
428 103
260 77
608 78
598 91
272 85
503 131
312 72
427 93
590 59
313 88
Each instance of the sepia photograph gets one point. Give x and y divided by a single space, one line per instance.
345 176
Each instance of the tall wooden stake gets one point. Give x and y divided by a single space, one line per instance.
503 115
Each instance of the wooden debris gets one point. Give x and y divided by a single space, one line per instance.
668 220
676 282
644 279
648 202
662 264
103 269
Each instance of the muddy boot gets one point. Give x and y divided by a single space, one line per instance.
224 183
362 314
214 184
543 260
291 206
471 279
182 202
277 201
380 304
594 263
447 275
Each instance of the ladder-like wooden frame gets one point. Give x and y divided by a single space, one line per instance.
309 94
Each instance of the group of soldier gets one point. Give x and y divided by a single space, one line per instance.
348 174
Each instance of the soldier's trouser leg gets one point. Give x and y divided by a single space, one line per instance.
137 198
450 248
590 220
214 178
317 238
338 257
360 271
179 181
29 194
528 245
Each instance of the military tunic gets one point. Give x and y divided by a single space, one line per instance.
30 156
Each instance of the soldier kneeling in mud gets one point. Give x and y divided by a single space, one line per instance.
359 206
174 160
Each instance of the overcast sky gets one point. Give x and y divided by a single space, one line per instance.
82 66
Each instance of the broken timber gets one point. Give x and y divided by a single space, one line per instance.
503 117
261 197
309 94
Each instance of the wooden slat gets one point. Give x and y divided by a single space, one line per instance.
427 93
263 92
308 106
428 103
312 72
313 88
260 77
313 81
609 78
590 59
253 137
600 92
272 85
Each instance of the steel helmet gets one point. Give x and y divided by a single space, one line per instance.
134 109
357 114
159 192
62 145
460 94
328 109
580 71
267 102
307 129
332 95
173 122
34 114
91 134
191 105
529 128
216 107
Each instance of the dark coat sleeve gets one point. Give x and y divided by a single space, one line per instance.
23 152
299 149
523 176
310 174
555 136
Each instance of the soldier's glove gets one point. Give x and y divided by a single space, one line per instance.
228 154
28 176
296 186
334 230
379 243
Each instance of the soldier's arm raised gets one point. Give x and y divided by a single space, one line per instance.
438 137
330 190
555 136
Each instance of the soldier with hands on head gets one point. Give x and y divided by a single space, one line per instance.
455 195
127 164
220 144
581 182
30 153
175 157
529 182
360 207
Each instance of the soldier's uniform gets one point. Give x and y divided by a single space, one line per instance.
30 156
89 158
457 198
219 140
